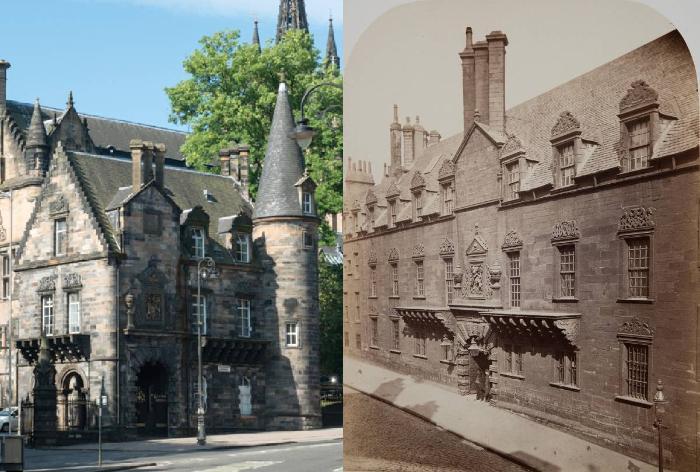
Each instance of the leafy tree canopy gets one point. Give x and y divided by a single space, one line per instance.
230 98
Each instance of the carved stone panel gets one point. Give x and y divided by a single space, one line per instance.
640 93
154 307
447 169
59 205
635 328
565 230
636 219
418 251
393 255
47 284
512 240
71 281
447 248
566 123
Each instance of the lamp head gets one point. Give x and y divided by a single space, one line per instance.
303 134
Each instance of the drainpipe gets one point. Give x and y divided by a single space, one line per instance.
116 328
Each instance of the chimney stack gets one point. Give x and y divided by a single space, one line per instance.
243 167
235 169
419 137
497 42
225 160
468 85
395 140
481 80
147 159
137 151
4 65
434 137
159 154
408 152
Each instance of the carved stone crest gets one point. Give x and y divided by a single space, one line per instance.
393 255
495 275
447 248
565 230
154 305
636 219
478 245
47 284
566 122
418 251
635 327
393 190
372 258
447 169
59 205
417 180
640 93
512 240
72 280
511 146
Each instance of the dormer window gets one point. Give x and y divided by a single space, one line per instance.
392 212
417 205
513 180
307 203
447 198
567 163
639 145
198 242
370 217
242 249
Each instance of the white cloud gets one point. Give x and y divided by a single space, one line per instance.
316 10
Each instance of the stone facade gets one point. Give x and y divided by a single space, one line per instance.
486 265
108 243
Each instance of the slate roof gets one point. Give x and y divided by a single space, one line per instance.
106 131
283 166
593 98
107 181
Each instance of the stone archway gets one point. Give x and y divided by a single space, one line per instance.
72 402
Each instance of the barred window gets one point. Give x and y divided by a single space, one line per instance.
370 210
567 271
514 276
449 280
358 341
637 370
513 182
373 282
512 359
357 306
639 145
47 315
566 165
420 286
447 199
375 331
508 358
565 368
418 204
638 267
394 280
396 334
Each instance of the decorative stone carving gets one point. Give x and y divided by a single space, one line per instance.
447 248
47 284
372 258
154 307
447 169
393 190
59 205
511 146
457 276
356 206
635 327
417 180
129 303
569 328
478 245
393 255
565 230
512 240
418 251
371 198
565 124
640 93
71 281
3 233
474 280
495 275
636 219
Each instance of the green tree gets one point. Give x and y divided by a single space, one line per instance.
331 307
230 98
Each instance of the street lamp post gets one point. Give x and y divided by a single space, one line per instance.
203 272
659 410
303 133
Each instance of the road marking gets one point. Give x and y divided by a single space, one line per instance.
247 465
283 449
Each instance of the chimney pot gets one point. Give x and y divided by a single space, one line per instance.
4 65
159 153
224 161
497 42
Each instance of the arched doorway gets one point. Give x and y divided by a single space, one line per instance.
72 403
152 400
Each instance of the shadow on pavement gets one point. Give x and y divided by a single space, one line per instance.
390 390
426 410
536 463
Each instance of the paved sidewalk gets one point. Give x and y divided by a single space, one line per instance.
525 441
215 441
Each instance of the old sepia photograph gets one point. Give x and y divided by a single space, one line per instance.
521 229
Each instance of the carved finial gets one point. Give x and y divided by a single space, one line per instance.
476 228
69 103
396 113
477 115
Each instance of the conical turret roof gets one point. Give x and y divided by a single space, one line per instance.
36 134
331 48
256 35
283 165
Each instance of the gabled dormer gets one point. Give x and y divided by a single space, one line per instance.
566 149
371 204
306 188
446 179
237 231
392 199
194 226
71 130
418 194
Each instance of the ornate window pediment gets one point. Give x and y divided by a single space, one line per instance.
639 94
418 251
478 245
372 258
565 124
72 281
447 169
635 328
512 240
565 231
511 147
47 284
393 191
636 219
417 181
447 248
371 198
393 255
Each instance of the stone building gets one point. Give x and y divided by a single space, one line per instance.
546 258
109 230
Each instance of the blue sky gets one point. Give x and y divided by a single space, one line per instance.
118 55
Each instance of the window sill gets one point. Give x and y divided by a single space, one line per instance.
374 347
395 351
629 173
443 361
634 401
512 375
419 297
420 356
573 388
565 300
394 297
373 297
647 301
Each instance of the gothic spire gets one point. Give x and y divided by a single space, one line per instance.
36 135
331 49
283 165
69 103
256 36
292 15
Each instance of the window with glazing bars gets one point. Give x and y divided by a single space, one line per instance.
5 276
372 282
559 368
567 271
449 280
244 316
418 202
420 344
397 334
639 144
637 370
447 202
638 267
60 237
508 358
566 165
392 212
514 276
375 331
73 312
47 318
394 280
198 242
420 286
513 173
